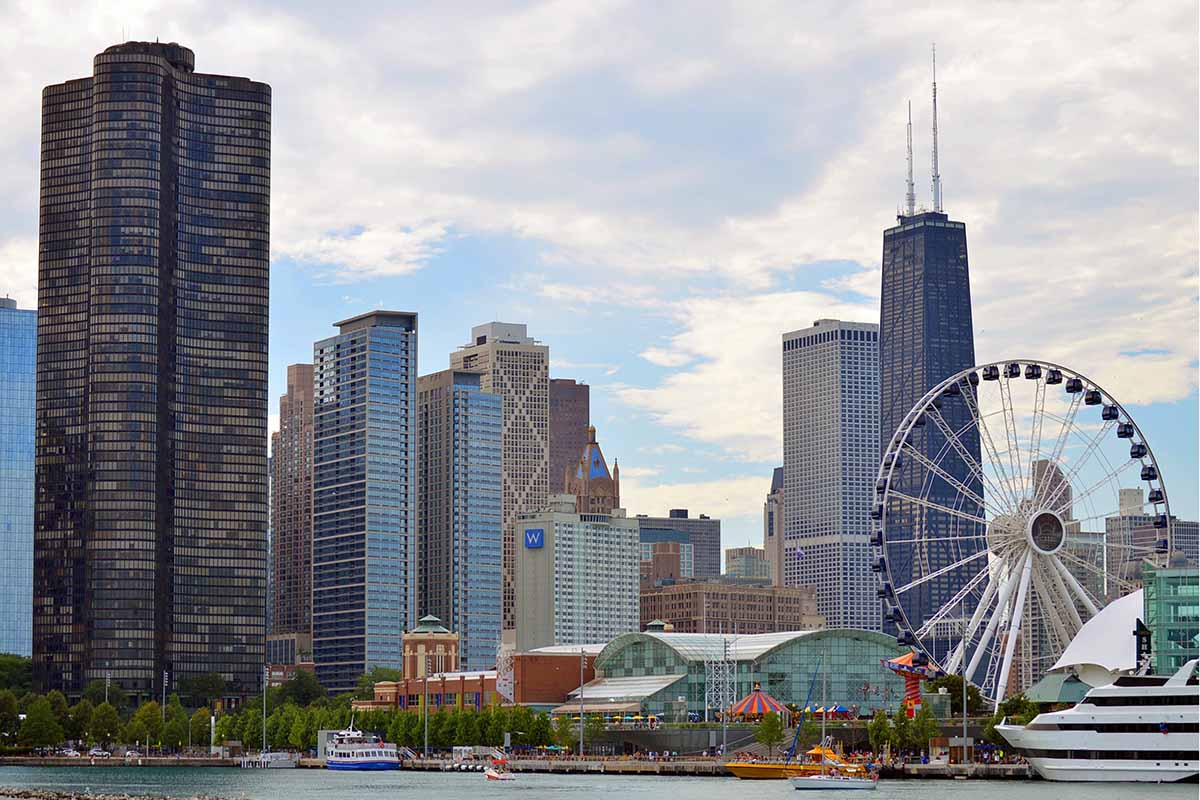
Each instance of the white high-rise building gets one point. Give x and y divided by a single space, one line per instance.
516 367
830 459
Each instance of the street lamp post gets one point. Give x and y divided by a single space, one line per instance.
582 661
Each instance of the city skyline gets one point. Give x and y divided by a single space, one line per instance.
771 259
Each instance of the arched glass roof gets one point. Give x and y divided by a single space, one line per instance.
711 646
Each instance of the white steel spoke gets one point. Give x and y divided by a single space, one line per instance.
1081 461
1061 588
1035 429
951 604
1107 480
998 489
1108 575
954 512
1010 581
926 578
1068 424
950 479
1051 602
922 539
1014 628
1064 573
969 633
1014 497
1011 439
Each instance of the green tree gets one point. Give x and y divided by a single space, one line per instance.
466 732
769 732
60 707
200 727
879 730
810 731
901 737
566 732
105 725
174 735
953 686
924 727
9 713
41 728
94 693
365 689
303 689
150 717
80 720
16 673
540 733
227 728
134 733
593 728
298 735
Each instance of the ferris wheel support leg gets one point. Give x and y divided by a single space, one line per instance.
1061 587
1010 581
961 651
1014 628
1079 590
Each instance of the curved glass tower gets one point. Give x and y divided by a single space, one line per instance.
151 512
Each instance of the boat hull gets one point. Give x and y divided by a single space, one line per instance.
373 766
1067 769
767 771
821 784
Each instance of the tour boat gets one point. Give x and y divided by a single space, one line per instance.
1138 728
354 750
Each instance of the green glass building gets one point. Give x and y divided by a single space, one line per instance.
1171 610
654 669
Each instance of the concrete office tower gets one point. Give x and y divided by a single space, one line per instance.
292 505
596 490
569 415
773 510
830 457
728 607
576 576
1050 483
364 495
704 533
151 488
517 368
18 370
459 510
925 336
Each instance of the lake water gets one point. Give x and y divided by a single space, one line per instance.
297 784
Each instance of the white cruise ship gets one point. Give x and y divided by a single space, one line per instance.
1139 728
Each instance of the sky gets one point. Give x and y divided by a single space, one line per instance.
660 190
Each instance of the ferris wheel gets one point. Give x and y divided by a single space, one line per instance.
1015 500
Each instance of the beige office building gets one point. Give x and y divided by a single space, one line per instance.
517 368
576 577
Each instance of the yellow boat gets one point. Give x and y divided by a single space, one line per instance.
778 770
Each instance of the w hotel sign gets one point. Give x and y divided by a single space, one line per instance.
535 538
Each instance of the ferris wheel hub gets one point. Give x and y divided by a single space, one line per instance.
1046 531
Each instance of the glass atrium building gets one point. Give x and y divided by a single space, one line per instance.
18 367
1171 605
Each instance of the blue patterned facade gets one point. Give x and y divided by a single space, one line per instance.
18 371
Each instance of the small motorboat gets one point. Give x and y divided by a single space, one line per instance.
498 771
835 782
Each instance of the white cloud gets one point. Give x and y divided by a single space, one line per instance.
665 358
18 270
736 496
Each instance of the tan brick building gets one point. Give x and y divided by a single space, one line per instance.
291 506
716 607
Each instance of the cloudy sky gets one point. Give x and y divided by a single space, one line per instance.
661 189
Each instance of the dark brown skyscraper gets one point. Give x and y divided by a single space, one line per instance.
151 463
291 504
569 413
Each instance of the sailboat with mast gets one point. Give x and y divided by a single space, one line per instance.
832 778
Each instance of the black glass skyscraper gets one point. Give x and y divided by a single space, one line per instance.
151 482
925 336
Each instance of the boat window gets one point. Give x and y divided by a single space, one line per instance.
1141 700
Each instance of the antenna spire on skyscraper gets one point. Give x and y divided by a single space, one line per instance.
910 197
937 178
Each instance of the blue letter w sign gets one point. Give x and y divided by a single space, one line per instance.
534 538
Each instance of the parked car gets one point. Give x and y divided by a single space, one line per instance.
132 754
99 752
70 752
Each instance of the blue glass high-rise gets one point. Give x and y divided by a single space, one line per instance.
459 510
18 373
925 336
364 496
